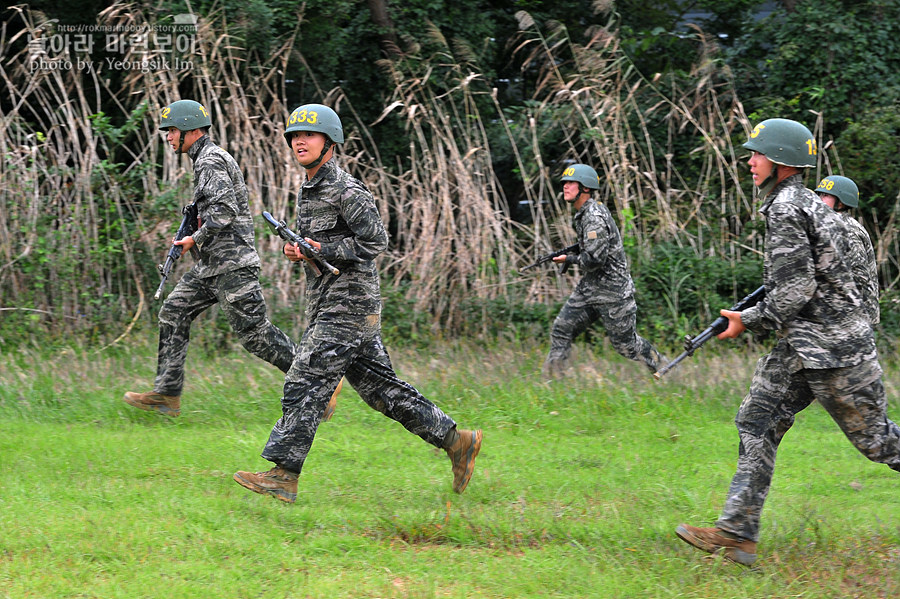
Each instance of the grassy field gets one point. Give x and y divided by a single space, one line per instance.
576 493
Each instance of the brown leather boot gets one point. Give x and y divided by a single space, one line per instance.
278 482
462 447
716 540
332 403
169 405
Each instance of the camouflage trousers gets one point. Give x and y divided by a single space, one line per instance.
854 397
618 318
324 357
239 294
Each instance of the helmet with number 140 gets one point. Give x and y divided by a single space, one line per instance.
784 142
583 174
315 117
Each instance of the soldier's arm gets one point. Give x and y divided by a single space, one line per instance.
594 242
221 207
369 238
873 309
790 283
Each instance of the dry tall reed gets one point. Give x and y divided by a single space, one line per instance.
454 237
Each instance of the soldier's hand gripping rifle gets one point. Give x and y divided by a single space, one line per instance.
187 228
572 249
309 251
692 344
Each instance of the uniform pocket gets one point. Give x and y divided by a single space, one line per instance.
321 223
244 303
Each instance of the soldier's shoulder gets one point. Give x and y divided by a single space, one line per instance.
796 198
350 185
855 226
596 209
599 214
214 155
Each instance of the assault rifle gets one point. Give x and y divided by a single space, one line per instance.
572 249
692 344
187 228
309 251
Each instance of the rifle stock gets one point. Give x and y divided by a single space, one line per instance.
281 228
187 228
692 344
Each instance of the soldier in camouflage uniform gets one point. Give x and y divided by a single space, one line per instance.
825 348
228 270
841 194
606 291
339 216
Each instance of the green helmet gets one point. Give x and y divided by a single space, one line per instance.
784 142
842 188
185 115
583 174
315 117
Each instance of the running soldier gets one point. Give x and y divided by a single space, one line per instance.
343 339
228 270
841 194
825 348
606 291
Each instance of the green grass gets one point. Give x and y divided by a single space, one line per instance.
577 490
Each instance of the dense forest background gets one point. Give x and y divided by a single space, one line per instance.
460 117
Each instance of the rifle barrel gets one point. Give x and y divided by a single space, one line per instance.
662 371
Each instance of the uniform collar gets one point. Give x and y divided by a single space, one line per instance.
198 145
792 181
326 169
584 207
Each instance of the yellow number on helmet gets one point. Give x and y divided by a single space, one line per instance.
165 112
569 171
756 130
811 146
312 117
203 110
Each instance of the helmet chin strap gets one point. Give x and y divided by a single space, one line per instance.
768 184
325 148
180 141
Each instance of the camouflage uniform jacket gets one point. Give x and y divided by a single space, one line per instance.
811 300
602 257
861 257
338 211
225 238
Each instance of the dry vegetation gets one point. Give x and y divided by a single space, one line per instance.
62 196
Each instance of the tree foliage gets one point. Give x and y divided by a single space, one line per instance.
839 58
460 116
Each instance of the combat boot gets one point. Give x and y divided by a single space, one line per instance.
169 405
718 541
278 482
462 447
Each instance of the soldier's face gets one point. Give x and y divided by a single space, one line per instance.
760 167
307 146
172 137
570 191
830 200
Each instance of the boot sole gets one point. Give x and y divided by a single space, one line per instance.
277 493
164 410
470 463
738 556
